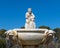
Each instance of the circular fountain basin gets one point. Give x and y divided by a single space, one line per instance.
31 36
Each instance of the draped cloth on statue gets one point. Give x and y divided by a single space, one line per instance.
30 24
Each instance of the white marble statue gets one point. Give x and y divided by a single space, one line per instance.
30 24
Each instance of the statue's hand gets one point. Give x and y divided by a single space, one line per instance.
27 16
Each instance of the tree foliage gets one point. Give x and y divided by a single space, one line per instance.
22 27
2 43
44 27
2 31
57 30
2 39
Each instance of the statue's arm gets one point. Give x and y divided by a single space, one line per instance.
27 15
33 15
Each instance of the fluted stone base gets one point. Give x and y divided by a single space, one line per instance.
35 46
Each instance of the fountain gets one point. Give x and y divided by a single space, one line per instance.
30 36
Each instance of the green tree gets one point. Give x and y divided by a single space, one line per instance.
2 43
22 27
2 31
44 27
2 38
57 30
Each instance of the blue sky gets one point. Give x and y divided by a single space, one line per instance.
12 13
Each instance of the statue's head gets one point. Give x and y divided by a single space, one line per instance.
29 10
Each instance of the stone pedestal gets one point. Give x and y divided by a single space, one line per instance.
35 46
